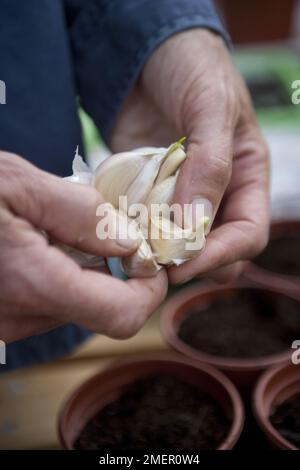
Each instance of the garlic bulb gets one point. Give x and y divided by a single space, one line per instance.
148 176
143 176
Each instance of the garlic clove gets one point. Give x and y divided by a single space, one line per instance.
171 163
115 174
141 186
162 195
169 241
142 263
163 192
130 174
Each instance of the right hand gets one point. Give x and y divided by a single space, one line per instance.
40 286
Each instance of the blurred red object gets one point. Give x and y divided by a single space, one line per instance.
257 20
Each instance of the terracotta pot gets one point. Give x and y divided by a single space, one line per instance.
270 279
243 372
107 386
273 388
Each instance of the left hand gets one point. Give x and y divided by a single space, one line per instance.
190 87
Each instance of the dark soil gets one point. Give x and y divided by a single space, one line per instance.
286 419
248 324
282 255
159 412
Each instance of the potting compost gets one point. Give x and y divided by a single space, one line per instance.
159 411
248 324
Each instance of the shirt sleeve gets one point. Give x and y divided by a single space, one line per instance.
112 39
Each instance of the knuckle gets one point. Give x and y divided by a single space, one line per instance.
219 169
262 242
265 154
262 149
6 157
259 147
16 178
11 164
258 242
225 99
217 164
230 273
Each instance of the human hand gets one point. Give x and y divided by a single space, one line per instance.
190 87
40 286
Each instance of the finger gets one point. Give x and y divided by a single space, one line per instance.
43 282
230 273
207 169
244 221
223 275
124 307
225 245
69 212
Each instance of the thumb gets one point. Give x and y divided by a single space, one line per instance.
68 212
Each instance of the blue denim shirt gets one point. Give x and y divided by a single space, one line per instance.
52 51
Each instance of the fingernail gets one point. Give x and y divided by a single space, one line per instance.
201 208
127 234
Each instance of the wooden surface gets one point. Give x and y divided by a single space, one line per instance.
30 399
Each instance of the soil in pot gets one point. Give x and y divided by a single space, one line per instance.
159 411
286 419
251 323
282 255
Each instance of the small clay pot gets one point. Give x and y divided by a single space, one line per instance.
242 371
105 387
274 387
270 279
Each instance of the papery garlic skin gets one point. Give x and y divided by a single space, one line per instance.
82 174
